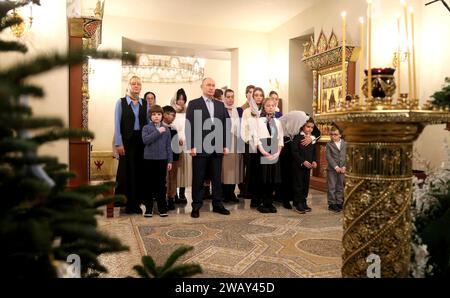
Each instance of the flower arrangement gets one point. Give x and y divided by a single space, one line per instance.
430 211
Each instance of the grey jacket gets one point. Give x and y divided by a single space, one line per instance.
157 145
336 157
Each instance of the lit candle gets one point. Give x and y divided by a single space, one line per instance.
413 54
344 47
405 8
398 60
362 61
369 49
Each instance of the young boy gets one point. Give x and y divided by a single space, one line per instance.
336 151
168 118
157 161
304 161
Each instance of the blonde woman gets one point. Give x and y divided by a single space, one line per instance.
184 171
130 118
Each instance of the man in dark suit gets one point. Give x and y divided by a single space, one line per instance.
207 139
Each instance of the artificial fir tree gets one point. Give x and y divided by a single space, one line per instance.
41 220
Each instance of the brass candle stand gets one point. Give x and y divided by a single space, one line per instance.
378 182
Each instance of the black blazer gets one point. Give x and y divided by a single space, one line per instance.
301 153
195 136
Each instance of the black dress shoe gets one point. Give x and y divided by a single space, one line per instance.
195 213
170 204
307 208
233 199
334 208
263 209
287 205
221 210
254 203
133 210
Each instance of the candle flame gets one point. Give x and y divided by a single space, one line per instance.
411 9
343 14
361 20
403 2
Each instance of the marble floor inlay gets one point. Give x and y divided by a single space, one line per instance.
243 244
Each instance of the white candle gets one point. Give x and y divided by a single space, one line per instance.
413 54
344 49
362 61
405 9
398 60
369 49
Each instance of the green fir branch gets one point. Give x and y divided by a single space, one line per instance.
8 46
55 135
47 62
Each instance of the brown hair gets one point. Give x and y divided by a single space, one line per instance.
310 120
247 89
259 89
155 109
228 91
218 94
334 128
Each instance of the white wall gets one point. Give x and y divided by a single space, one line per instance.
48 34
435 66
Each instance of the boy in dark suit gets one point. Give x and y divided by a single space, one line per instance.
304 160
336 151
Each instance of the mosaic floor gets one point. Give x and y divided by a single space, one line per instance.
243 244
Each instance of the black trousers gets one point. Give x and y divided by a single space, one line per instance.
228 190
130 172
300 179
201 164
251 174
155 182
284 191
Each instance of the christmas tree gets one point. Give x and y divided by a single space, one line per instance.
42 222
442 97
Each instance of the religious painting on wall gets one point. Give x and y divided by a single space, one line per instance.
330 89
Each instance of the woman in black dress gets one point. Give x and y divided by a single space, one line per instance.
130 117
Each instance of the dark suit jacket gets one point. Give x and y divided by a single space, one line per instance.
196 134
301 153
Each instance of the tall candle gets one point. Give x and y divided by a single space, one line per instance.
369 49
362 61
413 55
405 8
398 60
344 50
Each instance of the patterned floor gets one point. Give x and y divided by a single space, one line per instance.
243 244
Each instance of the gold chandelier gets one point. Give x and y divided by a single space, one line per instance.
165 69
